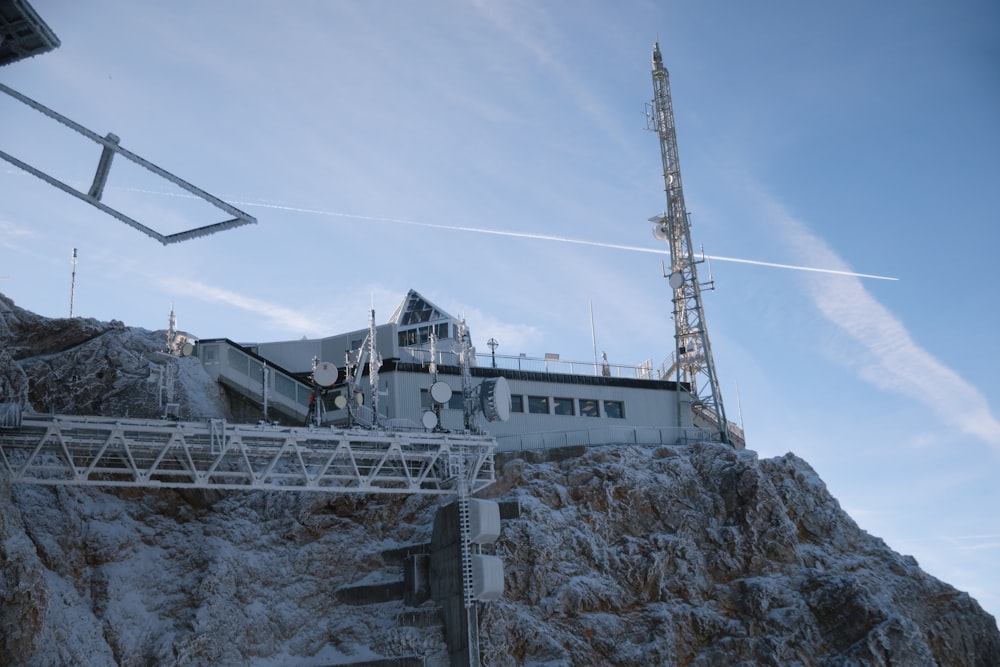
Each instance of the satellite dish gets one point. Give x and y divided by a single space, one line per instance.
187 349
440 392
676 279
340 401
495 396
429 420
359 397
325 374
660 231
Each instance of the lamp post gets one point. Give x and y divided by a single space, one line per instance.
492 342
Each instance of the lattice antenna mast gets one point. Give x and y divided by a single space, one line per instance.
692 361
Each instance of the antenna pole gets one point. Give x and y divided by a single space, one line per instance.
692 353
374 363
72 285
593 337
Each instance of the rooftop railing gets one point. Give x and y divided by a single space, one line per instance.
550 363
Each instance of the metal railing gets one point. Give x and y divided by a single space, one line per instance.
610 435
553 364
546 364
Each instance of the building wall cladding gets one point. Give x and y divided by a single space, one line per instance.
646 403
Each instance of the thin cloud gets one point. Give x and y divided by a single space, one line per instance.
887 355
511 22
279 316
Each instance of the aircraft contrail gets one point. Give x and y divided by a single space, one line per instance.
537 237
559 239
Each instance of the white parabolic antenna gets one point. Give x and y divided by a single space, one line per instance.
676 279
495 396
325 374
429 420
440 392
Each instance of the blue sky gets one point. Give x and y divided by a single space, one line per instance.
857 136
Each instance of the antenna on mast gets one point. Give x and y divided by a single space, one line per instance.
72 285
692 359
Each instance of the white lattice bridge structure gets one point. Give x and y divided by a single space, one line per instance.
100 451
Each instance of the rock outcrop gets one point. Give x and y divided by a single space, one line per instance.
689 555
85 367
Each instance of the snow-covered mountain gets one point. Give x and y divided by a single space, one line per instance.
694 555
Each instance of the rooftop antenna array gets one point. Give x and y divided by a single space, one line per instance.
692 360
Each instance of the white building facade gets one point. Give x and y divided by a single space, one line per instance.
553 402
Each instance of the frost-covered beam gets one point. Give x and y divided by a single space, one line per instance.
110 148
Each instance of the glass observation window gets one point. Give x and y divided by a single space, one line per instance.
562 406
538 405
614 409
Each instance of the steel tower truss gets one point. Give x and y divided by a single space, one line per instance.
95 451
692 362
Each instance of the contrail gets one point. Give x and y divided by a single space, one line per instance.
529 235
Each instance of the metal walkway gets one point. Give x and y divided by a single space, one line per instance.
97 451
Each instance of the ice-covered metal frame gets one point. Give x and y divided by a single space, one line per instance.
103 451
110 148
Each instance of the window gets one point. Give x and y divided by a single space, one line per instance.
538 405
239 361
563 406
422 335
284 386
589 408
208 353
407 338
516 403
614 409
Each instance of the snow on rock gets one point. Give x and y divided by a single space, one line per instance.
702 555
688 555
82 366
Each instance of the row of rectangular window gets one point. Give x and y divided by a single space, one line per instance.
585 407
421 335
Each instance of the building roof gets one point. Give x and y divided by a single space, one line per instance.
23 33
415 309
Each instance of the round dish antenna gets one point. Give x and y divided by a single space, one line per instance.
495 396
325 374
340 402
429 420
676 280
440 392
660 231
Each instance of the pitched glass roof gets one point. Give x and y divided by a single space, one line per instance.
415 309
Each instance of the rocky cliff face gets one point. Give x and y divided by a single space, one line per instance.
85 367
696 555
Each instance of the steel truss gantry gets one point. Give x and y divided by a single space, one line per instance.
98 451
